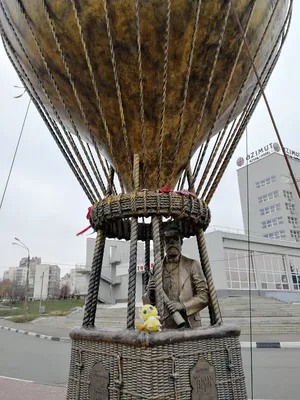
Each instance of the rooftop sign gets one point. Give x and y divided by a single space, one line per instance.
265 151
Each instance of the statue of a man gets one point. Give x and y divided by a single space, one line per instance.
184 285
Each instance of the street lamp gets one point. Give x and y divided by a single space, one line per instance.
42 284
21 244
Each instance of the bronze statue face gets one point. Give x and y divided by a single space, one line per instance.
173 245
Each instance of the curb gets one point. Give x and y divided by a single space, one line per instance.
270 345
244 345
37 335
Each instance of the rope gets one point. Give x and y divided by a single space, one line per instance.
186 86
147 256
266 100
247 115
214 308
95 87
56 134
15 153
133 255
235 104
159 298
142 112
42 87
118 89
71 81
110 181
164 95
199 122
96 169
223 99
197 165
94 283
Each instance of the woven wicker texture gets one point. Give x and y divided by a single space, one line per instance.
159 372
145 203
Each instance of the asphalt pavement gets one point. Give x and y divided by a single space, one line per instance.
275 371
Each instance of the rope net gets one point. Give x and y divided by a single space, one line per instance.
100 116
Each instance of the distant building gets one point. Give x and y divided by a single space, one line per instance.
271 202
6 275
47 282
271 266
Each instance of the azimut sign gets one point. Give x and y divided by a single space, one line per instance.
265 151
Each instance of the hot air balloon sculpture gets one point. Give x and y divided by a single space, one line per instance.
131 90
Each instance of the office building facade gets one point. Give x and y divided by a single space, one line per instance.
268 195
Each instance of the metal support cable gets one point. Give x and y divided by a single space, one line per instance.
15 154
224 95
40 83
51 125
246 116
265 99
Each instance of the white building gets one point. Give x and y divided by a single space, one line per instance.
274 205
6 275
47 282
271 266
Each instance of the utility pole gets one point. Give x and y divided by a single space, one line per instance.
21 244
42 284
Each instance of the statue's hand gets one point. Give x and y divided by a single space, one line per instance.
175 306
151 285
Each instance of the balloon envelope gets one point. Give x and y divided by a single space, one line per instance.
144 77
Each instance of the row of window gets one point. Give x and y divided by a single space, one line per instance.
275 235
270 209
290 207
293 220
269 269
295 234
272 222
288 194
266 182
267 197
273 195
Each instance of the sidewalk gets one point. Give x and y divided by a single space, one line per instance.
59 332
14 389
40 329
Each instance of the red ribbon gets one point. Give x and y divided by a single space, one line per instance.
186 193
88 216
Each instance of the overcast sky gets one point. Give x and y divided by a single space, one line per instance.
45 206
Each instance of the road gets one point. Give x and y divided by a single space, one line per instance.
276 371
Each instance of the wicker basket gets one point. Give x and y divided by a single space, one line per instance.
156 366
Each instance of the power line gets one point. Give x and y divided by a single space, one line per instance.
14 157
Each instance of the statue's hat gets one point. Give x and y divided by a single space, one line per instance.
172 229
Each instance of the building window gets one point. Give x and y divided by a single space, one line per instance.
272 271
295 234
293 220
285 179
266 182
237 270
270 209
272 222
288 194
294 263
290 207
267 197
275 235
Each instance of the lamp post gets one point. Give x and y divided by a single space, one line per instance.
21 244
42 284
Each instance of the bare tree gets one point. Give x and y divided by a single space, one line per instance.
8 290
65 292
